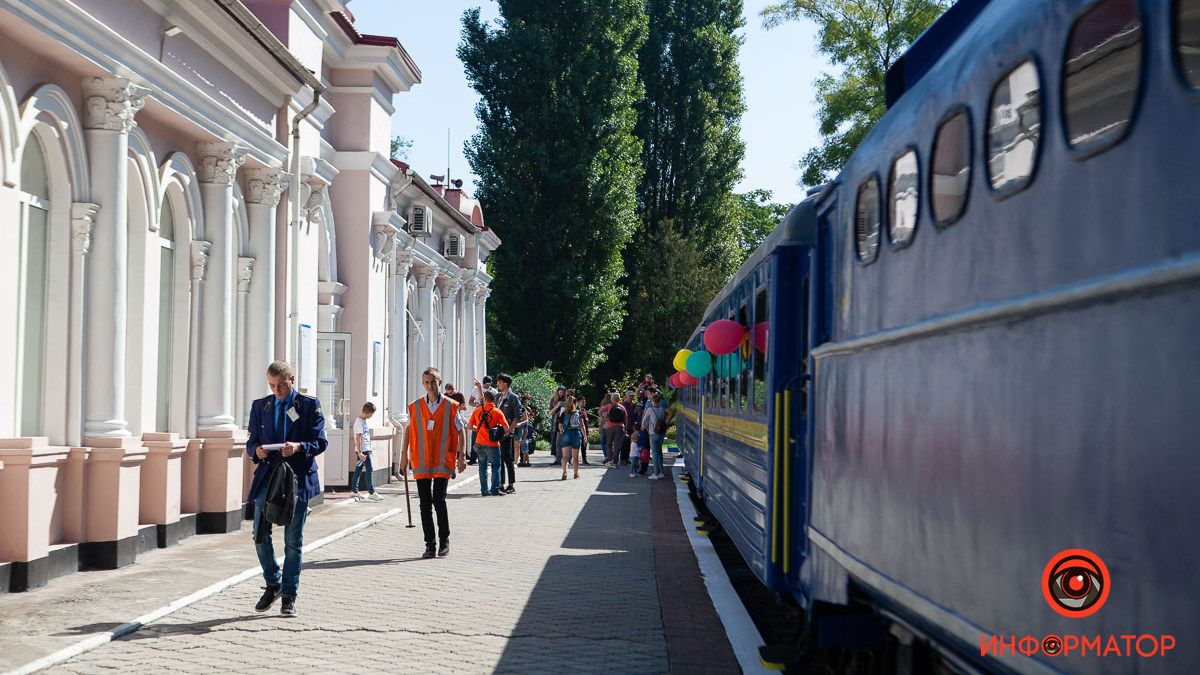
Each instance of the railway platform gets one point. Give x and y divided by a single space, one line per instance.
587 575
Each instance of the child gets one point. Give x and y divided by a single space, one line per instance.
362 447
635 450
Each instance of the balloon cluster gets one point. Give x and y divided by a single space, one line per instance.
730 343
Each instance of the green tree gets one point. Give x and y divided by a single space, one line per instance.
757 218
401 147
540 384
865 37
558 171
691 153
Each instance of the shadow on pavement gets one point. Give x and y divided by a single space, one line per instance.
595 611
156 630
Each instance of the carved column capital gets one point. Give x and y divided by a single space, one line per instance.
219 162
199 259
245 269
448 284
111 103
423 273
402 261
83 217
482 294
264 186
316 191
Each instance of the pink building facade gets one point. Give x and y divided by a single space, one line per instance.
191 190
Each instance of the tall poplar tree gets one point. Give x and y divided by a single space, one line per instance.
689 124
558 164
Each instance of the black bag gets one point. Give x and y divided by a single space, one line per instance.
660 424
495 433
280 503
616 414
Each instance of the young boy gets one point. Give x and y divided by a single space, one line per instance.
362 447
635 450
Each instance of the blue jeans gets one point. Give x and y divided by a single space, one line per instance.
359 469
489 458
293 541
656 442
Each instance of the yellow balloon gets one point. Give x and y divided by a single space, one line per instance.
681 358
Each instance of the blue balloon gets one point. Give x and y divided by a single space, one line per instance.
699 364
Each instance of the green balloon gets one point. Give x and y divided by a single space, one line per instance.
699 364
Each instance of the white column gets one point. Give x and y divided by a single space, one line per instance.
263 190
449 284
110 104
242 398
468 360
217 168
199 261
427 344
398 395
481 328
83 217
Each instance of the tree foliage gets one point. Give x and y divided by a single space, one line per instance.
865 37
558 166
540 384
757 218
401 147
689 124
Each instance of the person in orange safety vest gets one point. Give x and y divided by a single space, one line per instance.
431 444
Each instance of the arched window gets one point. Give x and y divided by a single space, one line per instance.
34 196
166 313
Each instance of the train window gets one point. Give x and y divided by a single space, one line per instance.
950 168
903 199
1187 39
1101 73
758 334
866 220
1014 128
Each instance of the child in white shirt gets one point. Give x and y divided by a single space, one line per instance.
362 448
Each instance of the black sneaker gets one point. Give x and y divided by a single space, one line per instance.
444 550
430 551
289 607
269 596
509 490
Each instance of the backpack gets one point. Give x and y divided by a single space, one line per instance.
660 422
616 414
495 433
280 502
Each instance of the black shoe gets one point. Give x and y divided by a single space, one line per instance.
471 463
586 463
289 607
269 596
509 490
444 550
430 551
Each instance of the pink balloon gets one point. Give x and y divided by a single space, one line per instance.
723 336
686 379
760 336
673 380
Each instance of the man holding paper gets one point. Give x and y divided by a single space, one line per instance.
285 427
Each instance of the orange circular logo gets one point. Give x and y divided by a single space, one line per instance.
1075 583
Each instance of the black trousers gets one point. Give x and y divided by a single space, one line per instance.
625 445
506 462
432 494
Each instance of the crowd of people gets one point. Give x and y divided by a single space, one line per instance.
287 433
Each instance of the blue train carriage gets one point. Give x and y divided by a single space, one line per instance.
1009 363
736 422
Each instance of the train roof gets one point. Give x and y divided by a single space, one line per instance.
929 47
798 227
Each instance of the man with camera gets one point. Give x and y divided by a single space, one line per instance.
490 427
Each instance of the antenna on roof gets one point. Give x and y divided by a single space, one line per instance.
447 153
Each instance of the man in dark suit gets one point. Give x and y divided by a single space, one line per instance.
294 420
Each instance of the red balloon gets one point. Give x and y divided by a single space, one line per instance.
673 380
687 380
760 336
723 336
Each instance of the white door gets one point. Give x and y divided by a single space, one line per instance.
333 370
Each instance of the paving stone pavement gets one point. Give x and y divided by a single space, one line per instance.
558 577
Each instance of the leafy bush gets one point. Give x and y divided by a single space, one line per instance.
540 384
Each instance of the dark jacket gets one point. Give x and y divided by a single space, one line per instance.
308 430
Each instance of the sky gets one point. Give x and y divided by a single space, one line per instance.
778 69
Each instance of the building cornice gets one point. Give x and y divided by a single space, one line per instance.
382 53
100 44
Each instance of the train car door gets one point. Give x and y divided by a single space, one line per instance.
787 358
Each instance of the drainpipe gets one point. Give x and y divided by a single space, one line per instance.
293 312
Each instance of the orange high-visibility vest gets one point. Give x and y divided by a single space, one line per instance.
432 452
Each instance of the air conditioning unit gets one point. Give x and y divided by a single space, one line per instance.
453 246
419 224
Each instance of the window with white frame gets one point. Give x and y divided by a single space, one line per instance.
34 197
